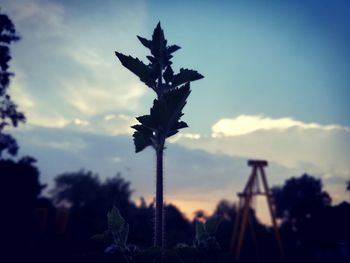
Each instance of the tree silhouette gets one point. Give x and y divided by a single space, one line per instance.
89 199
9 115
226 209
76 189
19 191
164 119
299 198
20 182
348 186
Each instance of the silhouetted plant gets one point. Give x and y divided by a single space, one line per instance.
116 236
9 115
164 119
204 248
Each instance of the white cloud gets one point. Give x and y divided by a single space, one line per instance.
180 135
32 107
20 94
80 122
76 76
245 124
95 97
118 124
322 150
40 15
106 85
49 120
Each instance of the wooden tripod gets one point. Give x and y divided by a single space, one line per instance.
245 200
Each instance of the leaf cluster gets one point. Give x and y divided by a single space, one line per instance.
172 91
163 120
117 231
207 229
158 73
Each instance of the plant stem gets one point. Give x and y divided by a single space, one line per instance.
159 220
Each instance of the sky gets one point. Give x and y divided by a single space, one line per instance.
275 88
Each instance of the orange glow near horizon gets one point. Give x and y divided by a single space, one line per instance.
188 207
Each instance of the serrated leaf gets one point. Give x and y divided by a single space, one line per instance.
147 43
151 59
173 48
168 74
201 233
163 120
171 133
146 120
184 76
136 66
212 224
124 233
115 220
158 42
141 141
180 125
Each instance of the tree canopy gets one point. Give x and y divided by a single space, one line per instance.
299 198
83 189
9 114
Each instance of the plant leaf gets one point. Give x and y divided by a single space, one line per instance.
158 42
176 101
184 76
115 220
136 66
201 233
124 233
141 140
147 43
173 48
212 224
168 74
180 125
163 120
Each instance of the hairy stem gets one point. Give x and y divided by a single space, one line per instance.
159 220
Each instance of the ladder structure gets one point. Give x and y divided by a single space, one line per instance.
252 189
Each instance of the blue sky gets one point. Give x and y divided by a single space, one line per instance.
275 87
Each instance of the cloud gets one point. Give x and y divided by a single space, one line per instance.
107 125
96 97
20 94
65 67
40 15
180 135
118 124
321 150
80 122
245 124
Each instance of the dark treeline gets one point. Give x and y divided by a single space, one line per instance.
60 227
